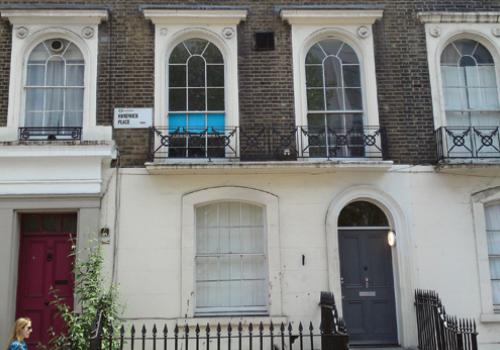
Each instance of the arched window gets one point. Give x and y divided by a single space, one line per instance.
54 85
362 213
469 85
231 269
196 93
334 99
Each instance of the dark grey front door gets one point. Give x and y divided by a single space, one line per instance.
367 287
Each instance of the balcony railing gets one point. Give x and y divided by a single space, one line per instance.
263 142
39 133
468 142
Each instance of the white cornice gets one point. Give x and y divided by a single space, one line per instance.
459 17
325 17
200 17
54 16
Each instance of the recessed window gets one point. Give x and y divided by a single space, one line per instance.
493 235
334 100
264 41
196 100
54 85
469 85
230 259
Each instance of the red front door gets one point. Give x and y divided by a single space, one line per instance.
45 262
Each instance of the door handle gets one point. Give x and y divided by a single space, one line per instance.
367 282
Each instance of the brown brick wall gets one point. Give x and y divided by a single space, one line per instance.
126 70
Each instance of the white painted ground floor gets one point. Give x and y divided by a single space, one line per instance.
192 244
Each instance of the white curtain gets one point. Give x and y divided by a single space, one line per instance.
230 258
55 86
471 95
493 232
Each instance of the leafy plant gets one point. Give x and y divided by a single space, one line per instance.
94 298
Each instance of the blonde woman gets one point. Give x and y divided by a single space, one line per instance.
22 330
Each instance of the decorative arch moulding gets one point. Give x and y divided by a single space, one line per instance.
459 17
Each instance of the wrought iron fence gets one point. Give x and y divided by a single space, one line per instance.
468 142
50 133
439 331
263 142
330 335
238 337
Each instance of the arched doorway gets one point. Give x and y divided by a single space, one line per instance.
367 279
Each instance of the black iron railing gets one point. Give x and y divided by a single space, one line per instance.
50 133
261 142
469 142
330 335
439 331
231 336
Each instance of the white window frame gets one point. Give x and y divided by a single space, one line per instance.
31 27
225 310
354 27
480 201
442 28
187 271
218 26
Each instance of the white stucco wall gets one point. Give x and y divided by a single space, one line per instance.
435 216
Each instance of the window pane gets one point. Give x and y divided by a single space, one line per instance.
315 55
39 54
51 223
73 119
362 213
347 55
54 100
196 122
487 76
74 99
314 76
179 54
495 288
316 121
55 72
196 72
216 122
495 268
215 75
35 75
196 99
315 100
215 99
334 99
331 46
450 56
34 99
53 119
177 99
353 99
177 76
332 73
490 98
493 217
73 55
351 76
213 55
196 46
452 76
482 55
34 119
455 99
74 75
177 121
465 46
